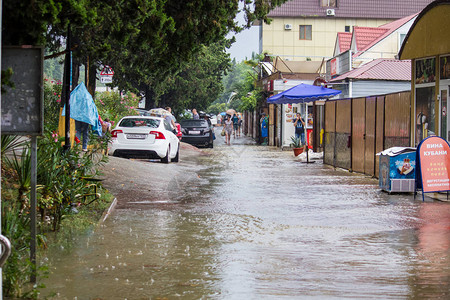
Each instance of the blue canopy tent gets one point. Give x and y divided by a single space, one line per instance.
303 93
83 108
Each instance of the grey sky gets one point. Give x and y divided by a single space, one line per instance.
247 41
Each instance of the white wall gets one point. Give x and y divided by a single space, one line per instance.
287 44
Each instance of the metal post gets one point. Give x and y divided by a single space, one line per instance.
33 207
1 272
67 76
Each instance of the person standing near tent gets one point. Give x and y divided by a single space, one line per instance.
264 128
85 114
299 125
82 129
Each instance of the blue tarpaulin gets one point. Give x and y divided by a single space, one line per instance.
302 93
83 108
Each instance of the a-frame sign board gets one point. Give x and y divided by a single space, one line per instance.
433 166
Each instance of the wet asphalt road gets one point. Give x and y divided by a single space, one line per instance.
252 222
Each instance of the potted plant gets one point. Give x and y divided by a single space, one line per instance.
297 145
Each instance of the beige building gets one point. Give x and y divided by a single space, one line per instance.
307 29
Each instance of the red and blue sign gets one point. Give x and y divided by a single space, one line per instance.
433 157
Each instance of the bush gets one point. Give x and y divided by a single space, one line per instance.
60 176
52 103
114 106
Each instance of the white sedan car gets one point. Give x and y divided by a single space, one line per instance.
145 136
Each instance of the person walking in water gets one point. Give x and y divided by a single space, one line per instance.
235 120
299 125
228 124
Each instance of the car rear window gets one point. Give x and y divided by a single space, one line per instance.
194 123
140 122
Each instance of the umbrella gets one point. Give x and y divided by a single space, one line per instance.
231 112
302 93
161 112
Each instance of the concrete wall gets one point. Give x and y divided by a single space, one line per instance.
287 43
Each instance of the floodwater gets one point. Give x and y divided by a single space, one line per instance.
255 223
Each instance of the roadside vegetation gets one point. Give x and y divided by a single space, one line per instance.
170 53
240 90
69 202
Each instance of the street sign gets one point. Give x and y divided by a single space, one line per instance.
106 79
22 109
107 70
434 165
106 74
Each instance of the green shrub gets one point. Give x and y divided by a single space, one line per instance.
113 106
52 103
60 176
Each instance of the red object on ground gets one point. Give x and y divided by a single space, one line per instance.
298 151
77 140
179 134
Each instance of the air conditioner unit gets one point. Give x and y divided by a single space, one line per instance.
330 12
287 26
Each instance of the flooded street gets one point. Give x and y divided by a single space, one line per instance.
252 222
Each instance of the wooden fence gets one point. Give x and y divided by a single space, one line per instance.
356 129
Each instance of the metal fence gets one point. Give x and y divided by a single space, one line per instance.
356 129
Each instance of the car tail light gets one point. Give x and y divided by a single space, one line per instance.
115 132
158 135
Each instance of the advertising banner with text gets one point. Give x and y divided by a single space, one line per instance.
434 158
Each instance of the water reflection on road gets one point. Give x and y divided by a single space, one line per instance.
255 223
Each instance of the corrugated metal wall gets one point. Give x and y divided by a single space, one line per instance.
365 88
397 120
330 132
379 131
369 136
356 129
342 147
358 132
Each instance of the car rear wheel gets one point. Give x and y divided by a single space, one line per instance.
166 159
177 157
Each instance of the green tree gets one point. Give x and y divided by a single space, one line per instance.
198 83
144 41
238 84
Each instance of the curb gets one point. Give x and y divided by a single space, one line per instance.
109 210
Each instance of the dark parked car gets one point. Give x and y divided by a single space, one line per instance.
197 132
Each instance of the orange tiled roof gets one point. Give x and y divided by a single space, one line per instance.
366 35
390 27
344 40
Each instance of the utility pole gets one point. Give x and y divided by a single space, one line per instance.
66 87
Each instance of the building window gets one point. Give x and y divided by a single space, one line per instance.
328 3
306 32
347 28
401 38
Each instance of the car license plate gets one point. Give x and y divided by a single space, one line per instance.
194 132
136 136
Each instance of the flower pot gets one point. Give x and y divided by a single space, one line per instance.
298 151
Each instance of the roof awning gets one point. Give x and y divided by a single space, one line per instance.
303 93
